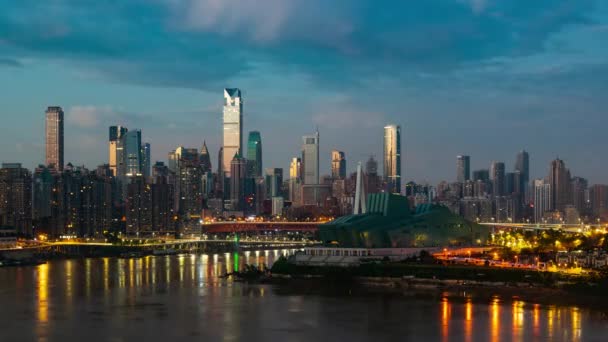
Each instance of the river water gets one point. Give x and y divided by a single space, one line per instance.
182 298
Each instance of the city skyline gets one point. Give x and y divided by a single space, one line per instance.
549 99
521 160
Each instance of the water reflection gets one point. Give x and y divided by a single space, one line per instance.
134 288
468 320
495 319
445 319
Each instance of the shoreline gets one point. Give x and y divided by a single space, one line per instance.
459 290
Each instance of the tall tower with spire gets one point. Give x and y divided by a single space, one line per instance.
233 127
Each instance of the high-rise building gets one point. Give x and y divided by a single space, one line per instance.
205 158
254 154
372 180
338 164
146 162
598 196
138 209
16 198
392 158
172 161
295 181
162 201
189 184
481 175
497 177
559 178
132 150
233 127
522 164
463 168
579 193
274 182
54 137
371 166
310 159
542 199
238 174
115 147
43 180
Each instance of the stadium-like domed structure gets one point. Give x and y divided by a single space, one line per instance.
389 223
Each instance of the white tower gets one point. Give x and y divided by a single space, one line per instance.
360 195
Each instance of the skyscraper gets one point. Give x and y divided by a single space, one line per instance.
481 175
497 176
254 154
189 184
522 164
16 198
372 180
295 181
274 181
579 192
205 158
146 162
522 167
310 159
338 165
542 199
233 126
463 168
392 158
371 166
238 172
559 178
54 137
132 150
115 148
598 195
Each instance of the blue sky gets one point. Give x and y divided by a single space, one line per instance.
479 77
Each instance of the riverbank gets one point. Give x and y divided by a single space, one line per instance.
483 283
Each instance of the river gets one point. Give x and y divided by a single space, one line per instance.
183 298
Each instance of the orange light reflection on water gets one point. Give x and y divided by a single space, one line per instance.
468 320
445 319
495 320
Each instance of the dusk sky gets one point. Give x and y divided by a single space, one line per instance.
485 78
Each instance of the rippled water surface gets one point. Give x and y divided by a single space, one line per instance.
182 298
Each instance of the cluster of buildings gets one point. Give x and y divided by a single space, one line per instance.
496 195
131 194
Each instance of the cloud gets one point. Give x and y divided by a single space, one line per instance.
478 6
88 116
206 44
10 62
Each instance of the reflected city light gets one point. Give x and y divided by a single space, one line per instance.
495 319
106 275
517 319
43 294
68 279
445 319
550 319
468 320
536 318
576 323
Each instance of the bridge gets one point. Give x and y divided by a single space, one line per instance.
571 228
143 246
231 227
